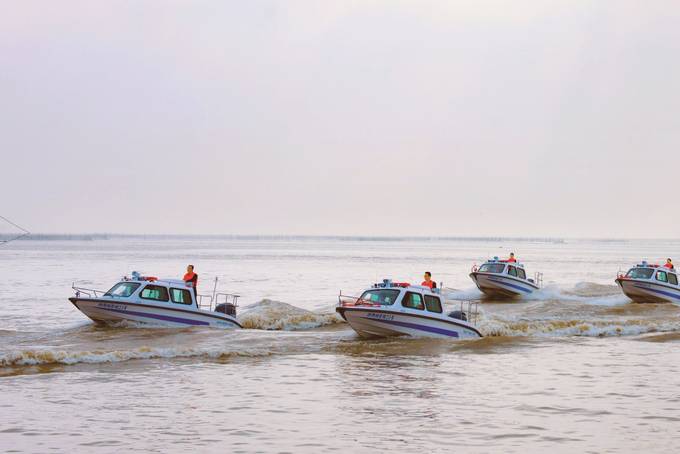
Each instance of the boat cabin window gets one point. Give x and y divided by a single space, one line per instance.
154 292
492 268
180 296
433 304
384 297
413 301
512 271
661 276
672 279
521 274
123 289
640 273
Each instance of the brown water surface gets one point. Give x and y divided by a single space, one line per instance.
574 368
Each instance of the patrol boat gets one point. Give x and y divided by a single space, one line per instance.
501 278
165 302
399 309
647 283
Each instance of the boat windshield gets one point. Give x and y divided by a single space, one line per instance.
123 289
492 268
384 297
640 273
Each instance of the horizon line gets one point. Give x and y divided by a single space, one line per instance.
105 235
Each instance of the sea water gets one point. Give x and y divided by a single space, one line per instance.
575 367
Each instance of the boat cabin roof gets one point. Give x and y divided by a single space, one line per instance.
169 291
166 282
644 264
388 283
504 262
170 282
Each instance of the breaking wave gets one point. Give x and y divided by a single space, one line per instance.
275 315
575 327
45 357
588 289
585 292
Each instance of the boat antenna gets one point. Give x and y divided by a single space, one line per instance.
214 290
24 232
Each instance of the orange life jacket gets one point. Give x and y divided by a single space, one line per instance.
191 278
511 260
429 284
669 266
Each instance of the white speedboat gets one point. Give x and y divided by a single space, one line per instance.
646 283
166 302
399 309
500 278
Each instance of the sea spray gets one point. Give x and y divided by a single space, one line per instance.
585 292
49 356
574 327
275 315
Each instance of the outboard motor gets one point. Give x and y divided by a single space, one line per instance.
226 308
460 315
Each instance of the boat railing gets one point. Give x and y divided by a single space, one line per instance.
347 300
538 279
471 310
90 292
211 302
201 301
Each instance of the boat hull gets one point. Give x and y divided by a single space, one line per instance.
501 286
643 291
371 323
113 312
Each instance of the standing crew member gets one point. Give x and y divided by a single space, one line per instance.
191 279
512 258
428 282
669 264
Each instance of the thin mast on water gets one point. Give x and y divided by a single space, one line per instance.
24 232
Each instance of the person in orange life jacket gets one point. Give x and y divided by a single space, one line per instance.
191 279
669 264
428 282
512 258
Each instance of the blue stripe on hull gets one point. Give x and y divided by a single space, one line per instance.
429 329
166 318
660 292
500 281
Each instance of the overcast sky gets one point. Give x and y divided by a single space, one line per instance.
514 118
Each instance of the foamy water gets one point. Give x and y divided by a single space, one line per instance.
556 371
